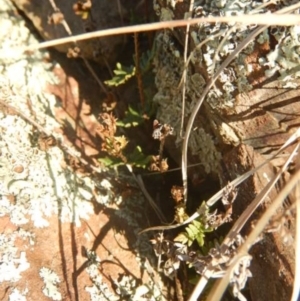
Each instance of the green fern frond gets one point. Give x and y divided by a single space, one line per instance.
122 74
195 231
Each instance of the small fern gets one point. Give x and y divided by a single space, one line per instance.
132 118
194 231
146 60
136 158
122 75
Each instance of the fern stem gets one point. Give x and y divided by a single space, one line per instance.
138 71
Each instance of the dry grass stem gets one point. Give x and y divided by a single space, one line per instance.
234 183
295 294
219 288
239 224
186 45
259 19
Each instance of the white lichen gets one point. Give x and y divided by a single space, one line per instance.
36 185
51 281
17 295
99 290
202 144
12 261
284 58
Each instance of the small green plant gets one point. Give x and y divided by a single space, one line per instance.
146 59
122 75
132 118
115 146
194 231
136 158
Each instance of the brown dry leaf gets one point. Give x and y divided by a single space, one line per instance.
120 142
154 166
73 52
177 193
55 18
45 142
82 8
164 165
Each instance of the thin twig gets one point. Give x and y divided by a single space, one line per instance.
138 70
90 68
69 32
140 183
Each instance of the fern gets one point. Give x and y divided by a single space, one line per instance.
132 118
122 75
195 231
136 158
146 60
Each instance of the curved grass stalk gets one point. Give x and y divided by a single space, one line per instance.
234 183
194 113
186 42
228 60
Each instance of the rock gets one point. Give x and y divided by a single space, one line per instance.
103 15
62 234
246 116
254 99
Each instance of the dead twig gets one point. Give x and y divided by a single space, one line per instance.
138 70
259 19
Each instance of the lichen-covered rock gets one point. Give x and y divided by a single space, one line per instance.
63 233
250 111
255 97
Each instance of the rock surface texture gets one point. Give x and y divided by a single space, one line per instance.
101 15
246 116
254 100
62 234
